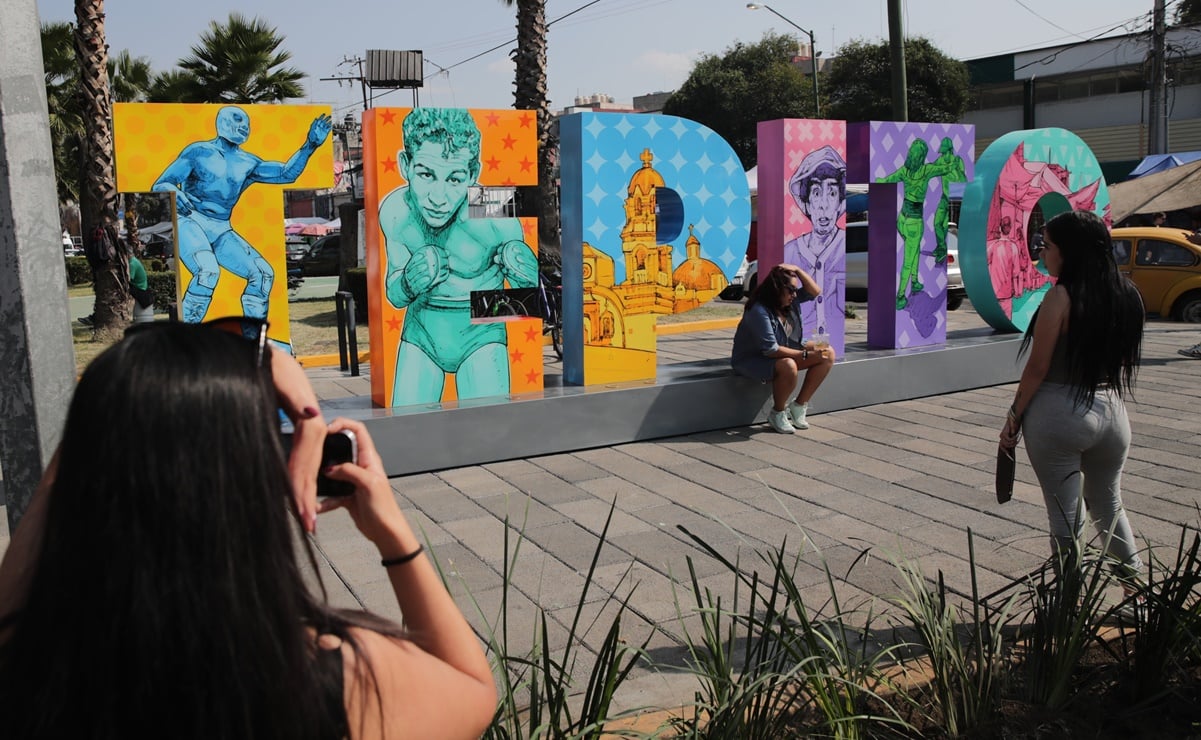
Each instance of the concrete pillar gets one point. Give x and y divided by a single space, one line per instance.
37 361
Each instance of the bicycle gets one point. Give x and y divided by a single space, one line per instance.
550 295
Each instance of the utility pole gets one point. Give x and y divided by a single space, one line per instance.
360 78
896 46
1157 130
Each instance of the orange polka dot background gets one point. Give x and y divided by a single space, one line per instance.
149 136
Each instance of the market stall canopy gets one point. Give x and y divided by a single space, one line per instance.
1155 163
1171 190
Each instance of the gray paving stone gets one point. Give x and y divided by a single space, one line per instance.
476 482
548 489
522 511
569 467
628 496
594 514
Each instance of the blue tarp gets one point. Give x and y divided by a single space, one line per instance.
1160 162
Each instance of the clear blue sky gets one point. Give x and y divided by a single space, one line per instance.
621 48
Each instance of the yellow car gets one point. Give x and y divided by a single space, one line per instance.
1165 266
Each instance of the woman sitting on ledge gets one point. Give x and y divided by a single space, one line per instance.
154 589
768 345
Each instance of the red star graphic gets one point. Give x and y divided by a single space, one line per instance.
526 120
493 119
389 116
527 227
517 356
508 141
531 334
531 377
526 164
509 183
394 323
390 165
493 163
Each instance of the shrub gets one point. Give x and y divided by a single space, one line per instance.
162 285
356 283
78 271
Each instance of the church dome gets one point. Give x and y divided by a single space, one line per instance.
647 178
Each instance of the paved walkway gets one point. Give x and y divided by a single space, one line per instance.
900 479
905 478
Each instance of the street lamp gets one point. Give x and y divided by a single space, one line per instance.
817 112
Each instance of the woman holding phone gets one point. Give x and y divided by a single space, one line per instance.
154 586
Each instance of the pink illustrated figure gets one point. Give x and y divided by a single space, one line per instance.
1005 258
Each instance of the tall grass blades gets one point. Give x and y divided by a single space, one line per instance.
1066 610
747 693
1163 624
966 661
537 695
834 667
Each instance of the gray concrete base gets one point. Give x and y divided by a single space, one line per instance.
685 398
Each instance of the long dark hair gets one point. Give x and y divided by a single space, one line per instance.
1105 323
167 597
770 290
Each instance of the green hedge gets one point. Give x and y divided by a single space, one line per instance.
78 271
356 283
162 285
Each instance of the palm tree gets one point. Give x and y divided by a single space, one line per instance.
237 62
530 94
99 196
130 78
65 107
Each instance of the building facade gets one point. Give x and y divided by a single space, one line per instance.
1100 90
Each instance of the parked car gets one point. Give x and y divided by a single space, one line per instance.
295 248
1165 265
747 276
324 257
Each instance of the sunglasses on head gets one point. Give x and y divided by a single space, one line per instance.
252 329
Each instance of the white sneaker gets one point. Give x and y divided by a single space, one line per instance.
780 422
797 413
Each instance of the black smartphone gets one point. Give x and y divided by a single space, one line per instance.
340 447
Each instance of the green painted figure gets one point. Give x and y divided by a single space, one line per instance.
915 176
942 215
437 256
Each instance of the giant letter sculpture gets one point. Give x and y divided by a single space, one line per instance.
1050 168
801 213
631 183
426 255
908 167
212 159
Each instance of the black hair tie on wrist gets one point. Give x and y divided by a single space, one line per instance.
389 562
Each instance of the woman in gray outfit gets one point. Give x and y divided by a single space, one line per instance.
1084 343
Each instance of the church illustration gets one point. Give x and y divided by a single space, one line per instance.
651 287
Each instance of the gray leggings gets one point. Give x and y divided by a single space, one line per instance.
1079 451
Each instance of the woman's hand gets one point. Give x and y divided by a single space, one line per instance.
373 506
1011 433
298 400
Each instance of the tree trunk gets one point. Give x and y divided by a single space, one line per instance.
530 94
98 198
